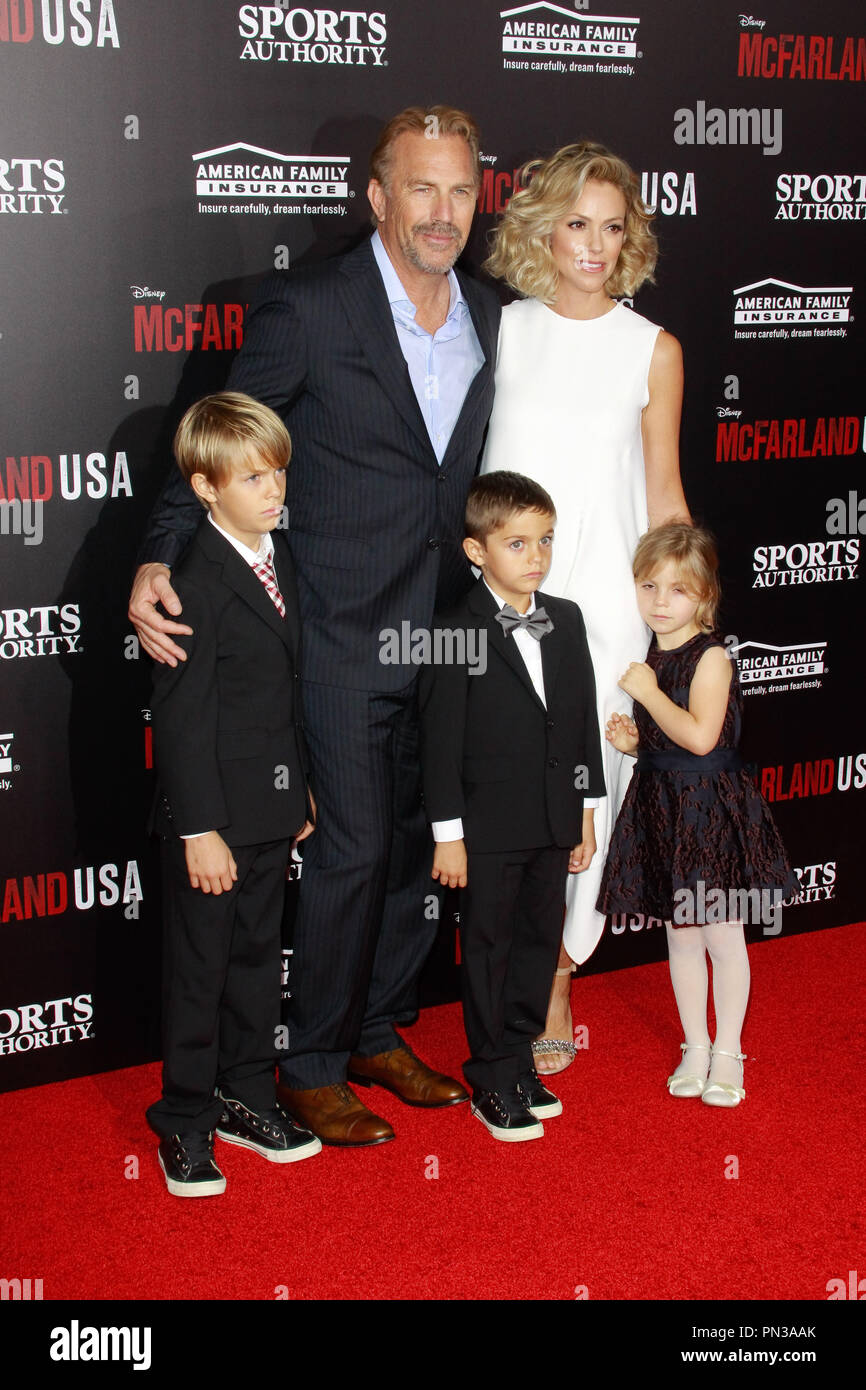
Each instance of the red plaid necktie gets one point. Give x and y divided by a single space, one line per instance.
266 573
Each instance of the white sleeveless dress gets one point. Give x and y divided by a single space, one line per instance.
567 412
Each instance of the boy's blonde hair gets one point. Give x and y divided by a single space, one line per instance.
226 428
692 550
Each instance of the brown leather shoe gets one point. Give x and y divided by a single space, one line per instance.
335 1115
407 1076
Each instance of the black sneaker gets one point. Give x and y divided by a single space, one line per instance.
505 1114
188 1164
270 1133
539 1101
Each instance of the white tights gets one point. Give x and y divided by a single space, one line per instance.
687 952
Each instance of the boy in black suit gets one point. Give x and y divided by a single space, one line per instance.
510 749
231 795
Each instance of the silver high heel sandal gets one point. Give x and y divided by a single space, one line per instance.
723 1093
685 1085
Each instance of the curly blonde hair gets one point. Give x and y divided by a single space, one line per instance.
548 190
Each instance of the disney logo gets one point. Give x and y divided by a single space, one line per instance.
724 413
748 22
144 292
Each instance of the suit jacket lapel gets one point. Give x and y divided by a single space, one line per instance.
372 322
502 643
243 581
479 382
552 645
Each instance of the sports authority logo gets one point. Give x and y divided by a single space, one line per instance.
234 172
52 894
766 669
783 310
816 884
821 197
8 764
746 441
275 33
803 57
543 37
27 1027
47 630
81 22
32 186
805 562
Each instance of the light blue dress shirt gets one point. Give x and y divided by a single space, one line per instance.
441 365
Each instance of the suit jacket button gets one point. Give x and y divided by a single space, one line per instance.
553 762
550 723
432 544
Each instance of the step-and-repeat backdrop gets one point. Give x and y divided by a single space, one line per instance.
157 159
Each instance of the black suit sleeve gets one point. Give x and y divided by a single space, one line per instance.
591 738
184 714
442 694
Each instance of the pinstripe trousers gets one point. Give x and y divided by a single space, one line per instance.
361 934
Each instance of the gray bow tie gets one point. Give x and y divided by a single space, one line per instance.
536 624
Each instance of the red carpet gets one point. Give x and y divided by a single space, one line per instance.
626 1196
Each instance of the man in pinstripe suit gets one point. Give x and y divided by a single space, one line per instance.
381 362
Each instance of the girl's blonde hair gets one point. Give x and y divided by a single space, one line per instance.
548 190
693 551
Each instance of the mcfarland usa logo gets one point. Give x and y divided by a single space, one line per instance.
278 34
52 894
183 327
821 197
263 178
805 562
46 630
779 309
28 1027
82 23
823 436
543 37
32 186
767 669
803 57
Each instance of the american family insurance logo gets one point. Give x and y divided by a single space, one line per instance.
777 309
340 38
767 669
8 764
543 37
247 179
78 23
799 57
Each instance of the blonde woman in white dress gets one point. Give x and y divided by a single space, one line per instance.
588 402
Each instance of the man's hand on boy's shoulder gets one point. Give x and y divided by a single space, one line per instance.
449 863
152 585
210 863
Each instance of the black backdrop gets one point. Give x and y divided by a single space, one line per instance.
136 220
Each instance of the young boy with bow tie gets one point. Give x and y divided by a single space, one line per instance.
510 755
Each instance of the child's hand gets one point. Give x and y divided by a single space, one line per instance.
581 856
210 863
621 731
309 825
449 863
639 681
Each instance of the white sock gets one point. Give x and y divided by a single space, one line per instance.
726 944
687 958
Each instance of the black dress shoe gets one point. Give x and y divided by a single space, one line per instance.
539 1101
270 1133
188 1164
505 1114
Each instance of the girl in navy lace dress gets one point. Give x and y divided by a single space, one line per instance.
695 843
